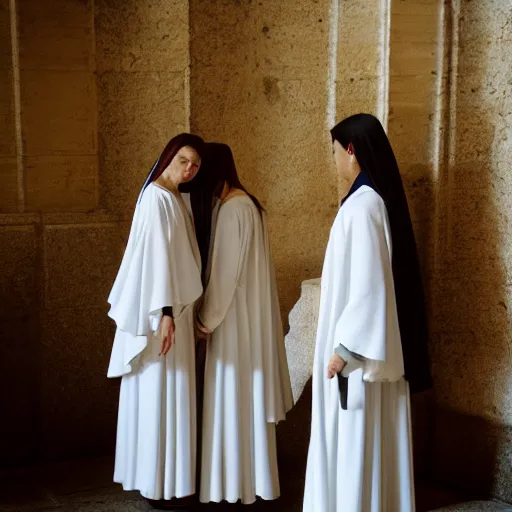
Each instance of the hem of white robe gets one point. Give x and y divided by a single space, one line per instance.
144 494
246 502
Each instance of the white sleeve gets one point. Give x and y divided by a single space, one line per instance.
224 269
368 325
158 268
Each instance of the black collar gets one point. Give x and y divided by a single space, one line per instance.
361 180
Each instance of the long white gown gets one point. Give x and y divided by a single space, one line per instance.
360 459
156 433
247 384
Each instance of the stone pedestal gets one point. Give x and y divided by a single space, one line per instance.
300 340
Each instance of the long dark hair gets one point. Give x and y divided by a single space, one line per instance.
375 157
217 168
221 169
169 152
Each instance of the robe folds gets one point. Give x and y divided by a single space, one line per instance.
247 384
360 459
156 433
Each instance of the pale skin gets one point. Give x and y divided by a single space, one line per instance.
226 194
348 168
183 167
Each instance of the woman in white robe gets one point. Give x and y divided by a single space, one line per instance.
371 336
247 385
152 303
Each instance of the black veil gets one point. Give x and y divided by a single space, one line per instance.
169 152
376 158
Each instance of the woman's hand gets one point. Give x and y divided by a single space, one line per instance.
201 331
167 331
336 364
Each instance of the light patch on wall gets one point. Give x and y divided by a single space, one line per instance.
334 14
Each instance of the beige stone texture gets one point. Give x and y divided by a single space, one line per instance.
414 39
81 262
358 58
301 339
142 36
471 299
56 35
58 112
474 299
138 113
142 90
261 87
61 183
268 78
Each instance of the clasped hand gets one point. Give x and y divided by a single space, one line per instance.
336 365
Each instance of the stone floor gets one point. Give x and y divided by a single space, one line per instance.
86 486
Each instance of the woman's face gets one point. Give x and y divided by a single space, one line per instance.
342 159
185 164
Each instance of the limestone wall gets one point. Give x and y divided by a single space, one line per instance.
471 348
91 91
89 94
259 82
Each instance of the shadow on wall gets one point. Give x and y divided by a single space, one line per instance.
420 195
471 339
292 448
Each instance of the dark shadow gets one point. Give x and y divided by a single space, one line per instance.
470 317
420 194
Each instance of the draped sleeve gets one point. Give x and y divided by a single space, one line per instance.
158 268
225 267
368 324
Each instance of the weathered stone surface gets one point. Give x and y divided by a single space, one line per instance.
142 36
261 88
58 112
301 338
56 35
57 183
19 294
138 114
81 262
78 402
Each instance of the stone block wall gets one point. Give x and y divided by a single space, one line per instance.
91 90
89 95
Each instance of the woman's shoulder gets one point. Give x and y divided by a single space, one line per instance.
157 201
238 203
366 199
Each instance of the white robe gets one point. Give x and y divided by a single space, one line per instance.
247 384
156 433
360 459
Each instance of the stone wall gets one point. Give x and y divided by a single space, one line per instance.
91 91
471 349
259 82
89 94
